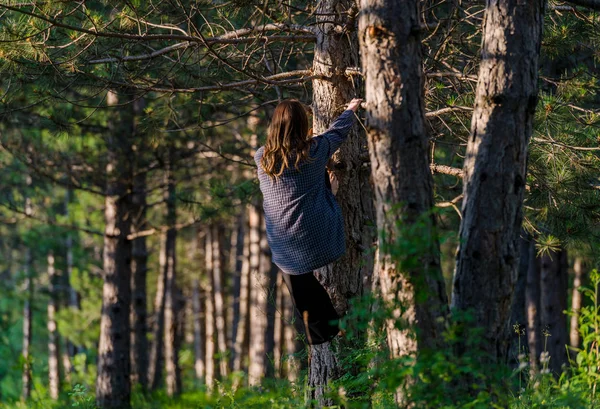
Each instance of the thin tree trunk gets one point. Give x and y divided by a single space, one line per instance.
517 318
170 324
279 328
236 263
334 53
219 298
72 299
576 304
553 301
209 315
291 339
398 146
139 267
197 319
532 305
27 321
495 170
258 300
242 318
157 348
113 379
53 350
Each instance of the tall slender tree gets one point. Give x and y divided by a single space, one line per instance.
495 169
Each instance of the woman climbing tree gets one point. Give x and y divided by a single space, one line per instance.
305 228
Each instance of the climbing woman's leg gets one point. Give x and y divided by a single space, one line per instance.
314 306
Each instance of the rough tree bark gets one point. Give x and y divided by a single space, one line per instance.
171 308
576 304
532 305
53 350
389 34
139 265
112 382
336 49
495 170
553 301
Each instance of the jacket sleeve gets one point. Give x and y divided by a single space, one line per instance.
338 131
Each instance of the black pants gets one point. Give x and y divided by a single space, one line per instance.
319 318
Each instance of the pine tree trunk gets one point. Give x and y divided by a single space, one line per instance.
113 378
495 170
553 301
209 315
532 305
53 350
157 348
335 51
576 304
517 316
27 313
236 263
72 299
291 339
197 319
260 268
278 330
241 319
27 317
398 146
139 267
219 298
170 324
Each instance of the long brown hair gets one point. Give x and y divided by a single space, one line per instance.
287 137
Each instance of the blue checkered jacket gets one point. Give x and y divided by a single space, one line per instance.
305 228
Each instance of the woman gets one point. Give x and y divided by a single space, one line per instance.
305 228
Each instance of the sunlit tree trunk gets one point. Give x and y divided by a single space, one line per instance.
72 299
398 146
197 320
576 304
113 378
495 170
238 245
27 313
53 348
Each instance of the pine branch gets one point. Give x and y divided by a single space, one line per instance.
446 110
590 4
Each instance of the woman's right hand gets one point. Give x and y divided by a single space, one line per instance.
354 104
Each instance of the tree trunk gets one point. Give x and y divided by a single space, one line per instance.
53 350
209 314
219 298
260 273
495 170
139 268
157 349
335 51
170 324
553 301
27 321
576 304
241 318
197 319
112 382
72 299
532 305
398 146
236 262
517 314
